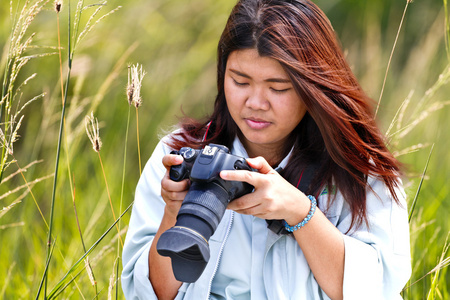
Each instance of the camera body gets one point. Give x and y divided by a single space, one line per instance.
203 207
205 166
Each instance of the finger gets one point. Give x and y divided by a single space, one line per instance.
247 211
243 205
250 177
171 160
173 201
257 210
174 186
260 164
251 205
173 196
171 190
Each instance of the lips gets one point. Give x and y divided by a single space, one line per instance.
256 123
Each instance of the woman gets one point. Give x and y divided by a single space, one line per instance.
286 98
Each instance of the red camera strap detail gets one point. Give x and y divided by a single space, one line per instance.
304 185
300 179
206 132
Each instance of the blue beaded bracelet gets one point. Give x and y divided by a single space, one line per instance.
306 219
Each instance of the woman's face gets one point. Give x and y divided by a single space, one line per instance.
261 100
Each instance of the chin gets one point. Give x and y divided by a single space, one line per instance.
261 141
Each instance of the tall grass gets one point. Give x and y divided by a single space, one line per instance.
92 48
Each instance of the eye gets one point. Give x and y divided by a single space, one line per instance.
239 83
280 91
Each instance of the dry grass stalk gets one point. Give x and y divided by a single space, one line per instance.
402 111
135 76
40 96
24 186
410 149
442 80
398 118
390 57
14 63
7 208
447 30
7 279
112 282
107 248
425 114
12 225
25 82
31 192
26 17
89 271
443 262
24 169
89 26
29 186
424 254
77 19
93 133
12 204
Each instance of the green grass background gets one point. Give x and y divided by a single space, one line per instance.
175 41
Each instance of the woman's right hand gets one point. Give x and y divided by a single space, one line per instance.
173 192
161 276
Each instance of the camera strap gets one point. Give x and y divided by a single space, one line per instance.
303 184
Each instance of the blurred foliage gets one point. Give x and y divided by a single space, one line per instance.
175 41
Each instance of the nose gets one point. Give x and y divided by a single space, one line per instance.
257 100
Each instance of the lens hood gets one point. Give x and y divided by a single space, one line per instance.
188 250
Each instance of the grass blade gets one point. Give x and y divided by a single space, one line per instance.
58 151
390 57
447 30
44 278
57 289
413 205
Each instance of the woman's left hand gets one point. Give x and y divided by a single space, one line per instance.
273 197
276 198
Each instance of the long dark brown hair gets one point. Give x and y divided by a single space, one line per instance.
338 134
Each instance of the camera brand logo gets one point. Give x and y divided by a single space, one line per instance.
209 151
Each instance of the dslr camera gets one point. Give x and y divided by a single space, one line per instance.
203 207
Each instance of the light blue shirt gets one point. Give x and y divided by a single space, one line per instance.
229 283
377 260
247 237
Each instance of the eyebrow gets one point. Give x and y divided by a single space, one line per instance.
279 80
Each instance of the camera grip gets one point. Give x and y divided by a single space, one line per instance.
178 172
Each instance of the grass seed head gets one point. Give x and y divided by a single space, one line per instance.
138 102
58 5
130 90
135 76
93 132
112 280
89 271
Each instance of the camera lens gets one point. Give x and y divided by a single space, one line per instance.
187 242
202 209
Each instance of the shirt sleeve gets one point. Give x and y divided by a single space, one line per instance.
377 258
147 212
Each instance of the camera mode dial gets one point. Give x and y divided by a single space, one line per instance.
189 154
